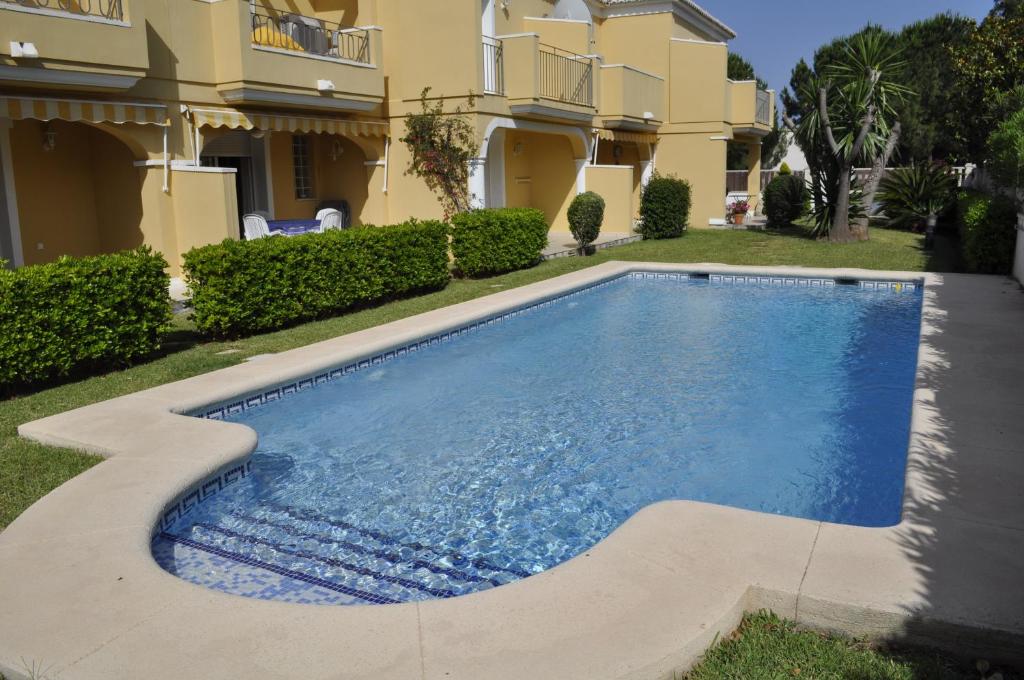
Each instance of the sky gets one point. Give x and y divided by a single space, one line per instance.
773 35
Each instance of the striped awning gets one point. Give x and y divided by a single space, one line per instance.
625 136
74 110
283 122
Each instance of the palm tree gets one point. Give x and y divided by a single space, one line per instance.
854 121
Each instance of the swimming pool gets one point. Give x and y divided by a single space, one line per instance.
482 458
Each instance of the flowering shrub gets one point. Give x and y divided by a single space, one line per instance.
442 147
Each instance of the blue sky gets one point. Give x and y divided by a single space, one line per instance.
774 34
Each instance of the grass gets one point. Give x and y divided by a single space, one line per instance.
766 647
28 471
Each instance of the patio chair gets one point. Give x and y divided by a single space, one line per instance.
331 219
336 204
256 227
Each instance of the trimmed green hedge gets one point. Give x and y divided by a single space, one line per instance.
498 240
241 288
987 231
664 207
784 200
80 314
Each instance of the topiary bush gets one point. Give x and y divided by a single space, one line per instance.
498 240
79 314
785 199
784 169
988 231
664 207
586 213
240 288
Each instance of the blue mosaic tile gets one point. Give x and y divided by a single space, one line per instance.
222 411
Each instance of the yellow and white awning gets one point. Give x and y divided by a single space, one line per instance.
283 122
76 110
625 136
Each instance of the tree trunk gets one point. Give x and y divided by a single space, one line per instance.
841 232
860 227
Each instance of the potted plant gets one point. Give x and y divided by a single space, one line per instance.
739 211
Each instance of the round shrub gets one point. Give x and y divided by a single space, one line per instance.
664 207
586 213
784 200
784 169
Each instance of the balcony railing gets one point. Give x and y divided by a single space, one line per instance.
764 108
308 35
566 76
105 9
494 66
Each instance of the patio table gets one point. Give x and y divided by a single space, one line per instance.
294 227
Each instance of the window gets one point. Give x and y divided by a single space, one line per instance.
302 161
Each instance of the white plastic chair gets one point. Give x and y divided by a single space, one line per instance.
256 227
331 219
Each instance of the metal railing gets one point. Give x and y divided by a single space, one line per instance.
106 9
763 115
311 36
494 66
566 76
736 180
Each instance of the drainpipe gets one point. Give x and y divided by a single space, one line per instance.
167 162
387 153
597 140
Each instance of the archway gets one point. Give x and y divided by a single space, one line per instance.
78 191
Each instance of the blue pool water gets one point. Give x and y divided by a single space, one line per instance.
510 449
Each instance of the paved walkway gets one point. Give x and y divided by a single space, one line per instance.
81 595
562 243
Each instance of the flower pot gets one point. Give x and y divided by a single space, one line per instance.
738 218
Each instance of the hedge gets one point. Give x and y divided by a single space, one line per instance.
784 199
498 240
241 288
664 207
987 227
79 314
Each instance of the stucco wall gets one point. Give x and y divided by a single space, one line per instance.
80 198
542 175
615 185
700 160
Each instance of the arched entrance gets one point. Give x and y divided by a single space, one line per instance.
78 190
530 164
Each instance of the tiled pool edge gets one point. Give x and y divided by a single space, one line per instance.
611 613
191 497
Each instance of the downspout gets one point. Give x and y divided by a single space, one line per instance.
597 140
387 154
167 162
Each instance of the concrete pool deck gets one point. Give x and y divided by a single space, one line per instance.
81 596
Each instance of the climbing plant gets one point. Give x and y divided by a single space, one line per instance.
441 146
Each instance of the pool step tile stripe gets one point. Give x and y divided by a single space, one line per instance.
372 598
328 561
387 556
314 517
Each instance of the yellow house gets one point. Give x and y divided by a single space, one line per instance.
162 122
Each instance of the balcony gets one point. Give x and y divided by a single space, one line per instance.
546 81
751 109
631 98
286 59
96 45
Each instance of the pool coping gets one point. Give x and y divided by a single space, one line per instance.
83 596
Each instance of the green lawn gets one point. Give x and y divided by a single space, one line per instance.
768 648
28 471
